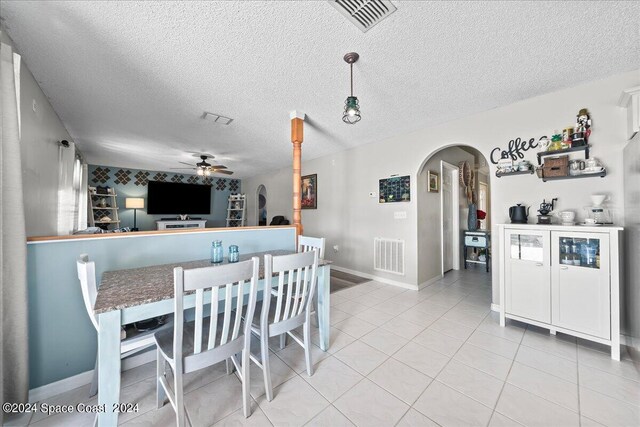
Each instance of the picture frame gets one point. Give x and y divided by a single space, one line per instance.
394 189
433 182
309 191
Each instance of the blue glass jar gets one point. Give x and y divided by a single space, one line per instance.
234 254
217 252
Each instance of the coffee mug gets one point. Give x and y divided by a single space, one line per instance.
592 163
577 165
567 216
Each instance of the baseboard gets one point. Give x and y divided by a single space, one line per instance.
67 384
495 307
376 278
430 282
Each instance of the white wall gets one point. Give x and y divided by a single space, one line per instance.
632 242
348 217
430 214
41 130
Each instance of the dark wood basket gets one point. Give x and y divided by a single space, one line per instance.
556 166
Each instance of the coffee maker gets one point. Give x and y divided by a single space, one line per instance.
597 214
544 216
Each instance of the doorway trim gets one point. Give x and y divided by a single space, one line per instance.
448 168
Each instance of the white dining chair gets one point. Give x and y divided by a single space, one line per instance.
128 346
195 345
290 309
305 244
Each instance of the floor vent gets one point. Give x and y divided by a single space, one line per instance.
388 255
364 14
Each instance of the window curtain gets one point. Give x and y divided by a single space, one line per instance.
14 360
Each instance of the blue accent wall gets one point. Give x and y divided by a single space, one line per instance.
133 183
62 339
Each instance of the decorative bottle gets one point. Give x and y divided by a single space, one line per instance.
234 254
217 252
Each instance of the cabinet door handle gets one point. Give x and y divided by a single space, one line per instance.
564 268
539 264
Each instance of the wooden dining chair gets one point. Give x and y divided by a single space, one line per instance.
128 346
290 309
305 244
192 346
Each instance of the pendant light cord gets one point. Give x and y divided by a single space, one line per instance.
351 66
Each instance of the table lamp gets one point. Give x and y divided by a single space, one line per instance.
134 203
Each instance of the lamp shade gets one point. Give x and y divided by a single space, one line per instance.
134 203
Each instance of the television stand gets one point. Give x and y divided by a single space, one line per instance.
177 224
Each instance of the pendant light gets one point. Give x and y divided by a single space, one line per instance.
351 108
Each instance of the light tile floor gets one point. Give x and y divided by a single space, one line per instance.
406 358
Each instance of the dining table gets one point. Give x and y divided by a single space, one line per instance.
133 295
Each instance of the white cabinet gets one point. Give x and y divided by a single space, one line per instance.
580 286
527 272
566 279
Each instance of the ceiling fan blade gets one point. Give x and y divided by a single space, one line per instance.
185 163
226 172
218 167
182 169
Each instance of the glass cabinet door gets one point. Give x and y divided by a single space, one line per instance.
527 247
579 251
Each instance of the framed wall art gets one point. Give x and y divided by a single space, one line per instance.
395 189
433 179
309 194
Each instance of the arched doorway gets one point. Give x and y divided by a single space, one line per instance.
443 212
261 205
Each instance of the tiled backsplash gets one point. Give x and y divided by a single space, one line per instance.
133 183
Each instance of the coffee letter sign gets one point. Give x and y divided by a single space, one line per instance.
515 150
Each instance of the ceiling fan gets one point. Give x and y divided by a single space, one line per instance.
205 168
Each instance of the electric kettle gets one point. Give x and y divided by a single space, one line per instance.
518 214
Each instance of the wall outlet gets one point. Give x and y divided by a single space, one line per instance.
34 106
400 215
372 194
336 248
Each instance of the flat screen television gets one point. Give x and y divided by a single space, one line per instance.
166 198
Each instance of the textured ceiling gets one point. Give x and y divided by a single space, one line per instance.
130 80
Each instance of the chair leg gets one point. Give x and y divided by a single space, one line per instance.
307 345
246 397
179 394
283 341
229 366
161 395
94 380
264 353
314 303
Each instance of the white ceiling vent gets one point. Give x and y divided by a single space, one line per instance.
364 13
217 118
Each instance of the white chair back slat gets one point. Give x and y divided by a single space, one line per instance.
228 303
238 310
287 300
230 276
213 320
265 307
197 333
306 287
306 244
296 296
88 285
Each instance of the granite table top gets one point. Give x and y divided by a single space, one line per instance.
121 289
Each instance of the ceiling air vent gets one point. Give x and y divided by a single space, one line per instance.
364 13
217 118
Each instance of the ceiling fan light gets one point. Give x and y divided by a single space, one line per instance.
207 172
200 172
351 111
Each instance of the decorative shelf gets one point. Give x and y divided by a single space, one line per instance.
584 175
584 148
527 172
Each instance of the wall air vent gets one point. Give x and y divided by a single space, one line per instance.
364 13
217 118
